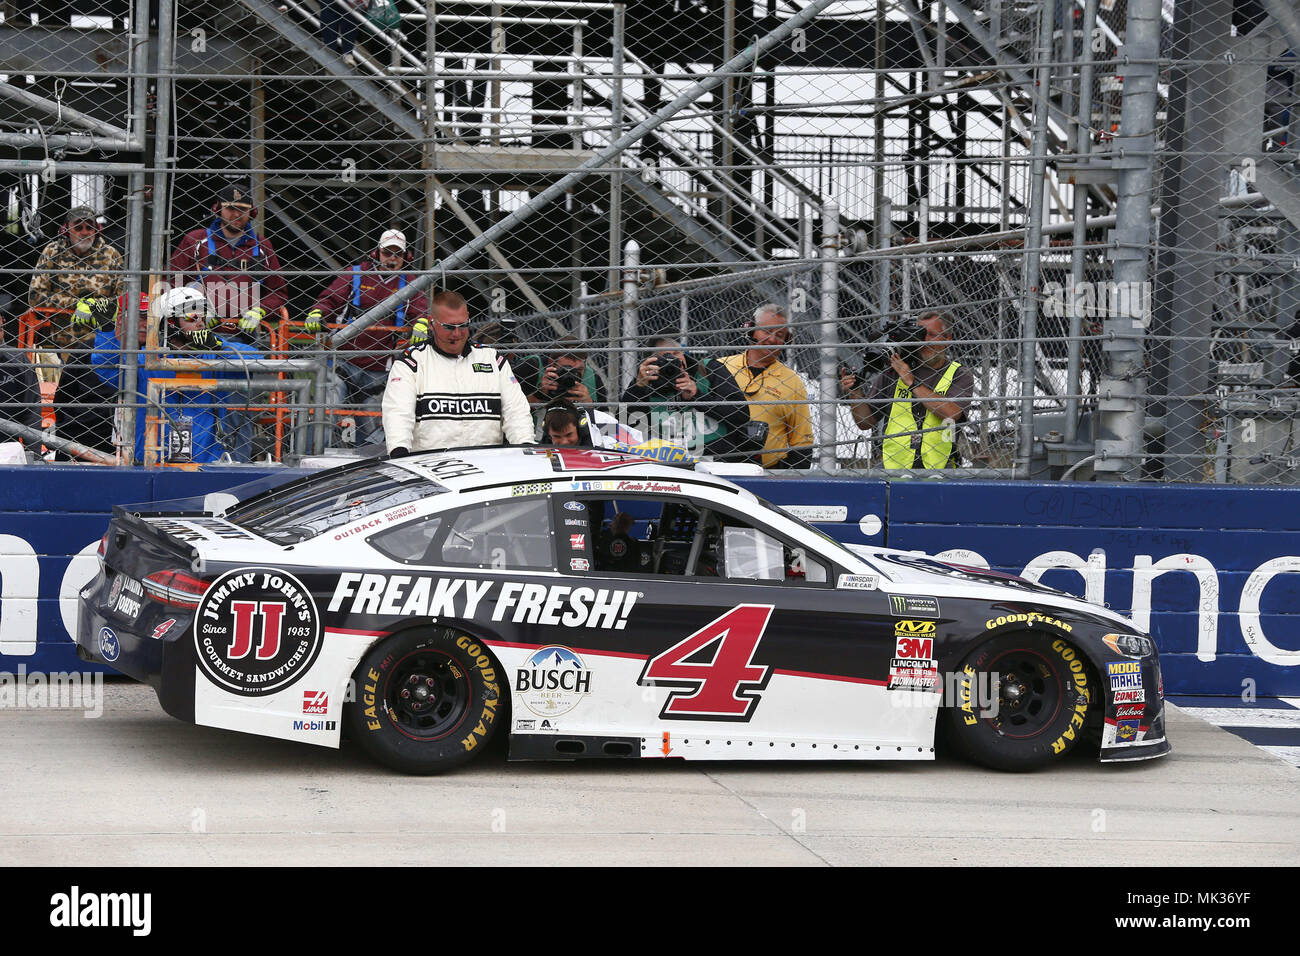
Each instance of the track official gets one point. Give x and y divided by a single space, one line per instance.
448 393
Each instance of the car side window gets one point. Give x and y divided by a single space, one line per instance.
500 534
749 553
409 543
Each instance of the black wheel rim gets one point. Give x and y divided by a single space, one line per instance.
1030 693
427 695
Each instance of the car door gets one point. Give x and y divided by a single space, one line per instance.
737 641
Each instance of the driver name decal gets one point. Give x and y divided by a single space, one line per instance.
411 595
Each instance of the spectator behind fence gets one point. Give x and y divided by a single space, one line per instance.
17 258
236 268
199 426
338 28
563 373
448 393
565 425
920 433
776 393
695 404
79 264
352 293
20 393
83 402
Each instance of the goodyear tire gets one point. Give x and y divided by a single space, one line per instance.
1043 693
426 701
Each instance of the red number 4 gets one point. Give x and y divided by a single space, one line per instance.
712 688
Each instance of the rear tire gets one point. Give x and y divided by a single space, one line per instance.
426 700
1042 691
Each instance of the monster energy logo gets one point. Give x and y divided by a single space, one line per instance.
906 605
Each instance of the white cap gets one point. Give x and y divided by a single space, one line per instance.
393 237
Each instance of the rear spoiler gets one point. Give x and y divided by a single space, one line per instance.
133 521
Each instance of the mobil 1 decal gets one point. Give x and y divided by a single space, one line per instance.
256 631
713 671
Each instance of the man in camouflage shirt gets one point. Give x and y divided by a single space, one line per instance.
79 264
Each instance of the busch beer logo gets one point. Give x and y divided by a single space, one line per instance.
256 631
553 681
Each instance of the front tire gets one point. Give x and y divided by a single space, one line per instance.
1023 700
426 700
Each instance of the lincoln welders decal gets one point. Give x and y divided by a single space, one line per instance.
413 595
256 632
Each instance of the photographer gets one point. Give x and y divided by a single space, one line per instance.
566 375
697 405
567 426
926 400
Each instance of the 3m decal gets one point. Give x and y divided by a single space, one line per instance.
256 631
553 681
919 647
907 605
913 666
726 686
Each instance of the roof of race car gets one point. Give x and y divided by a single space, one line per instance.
470 469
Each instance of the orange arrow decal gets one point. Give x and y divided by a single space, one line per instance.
666 747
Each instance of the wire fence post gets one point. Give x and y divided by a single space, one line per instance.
1034 233
631 293
1122 392
830 314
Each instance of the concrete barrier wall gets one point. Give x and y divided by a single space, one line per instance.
1209 569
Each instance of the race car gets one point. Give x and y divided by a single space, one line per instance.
590 603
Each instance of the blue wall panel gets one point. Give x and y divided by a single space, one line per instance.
55 511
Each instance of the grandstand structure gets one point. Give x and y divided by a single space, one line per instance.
1104 193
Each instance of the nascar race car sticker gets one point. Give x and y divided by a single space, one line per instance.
315 702
579 564
532 488
1125 675
413 595
553 681
1138 696
126 596
811 513
1032 618
574 506
256 631
859 582
907 605
913 666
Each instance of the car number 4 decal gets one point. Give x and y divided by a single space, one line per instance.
722 687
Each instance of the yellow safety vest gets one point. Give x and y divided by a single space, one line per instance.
935 446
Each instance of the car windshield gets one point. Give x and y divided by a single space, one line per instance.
301 511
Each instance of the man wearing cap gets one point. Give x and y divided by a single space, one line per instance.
79 266
365 369
238 268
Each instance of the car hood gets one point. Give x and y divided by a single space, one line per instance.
915 572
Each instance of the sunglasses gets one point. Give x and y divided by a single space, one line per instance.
458 327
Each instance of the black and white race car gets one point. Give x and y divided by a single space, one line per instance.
597 604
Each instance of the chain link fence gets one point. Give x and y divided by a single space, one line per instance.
1103 195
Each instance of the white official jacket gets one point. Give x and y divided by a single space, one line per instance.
432 401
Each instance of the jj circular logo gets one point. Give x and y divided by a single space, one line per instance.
256 632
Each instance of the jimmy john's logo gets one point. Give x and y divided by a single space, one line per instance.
433 407
906 605
412 595
256 631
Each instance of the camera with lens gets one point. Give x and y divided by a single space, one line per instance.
670 370
566 376
904 337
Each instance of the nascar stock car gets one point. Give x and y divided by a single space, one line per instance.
591 603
